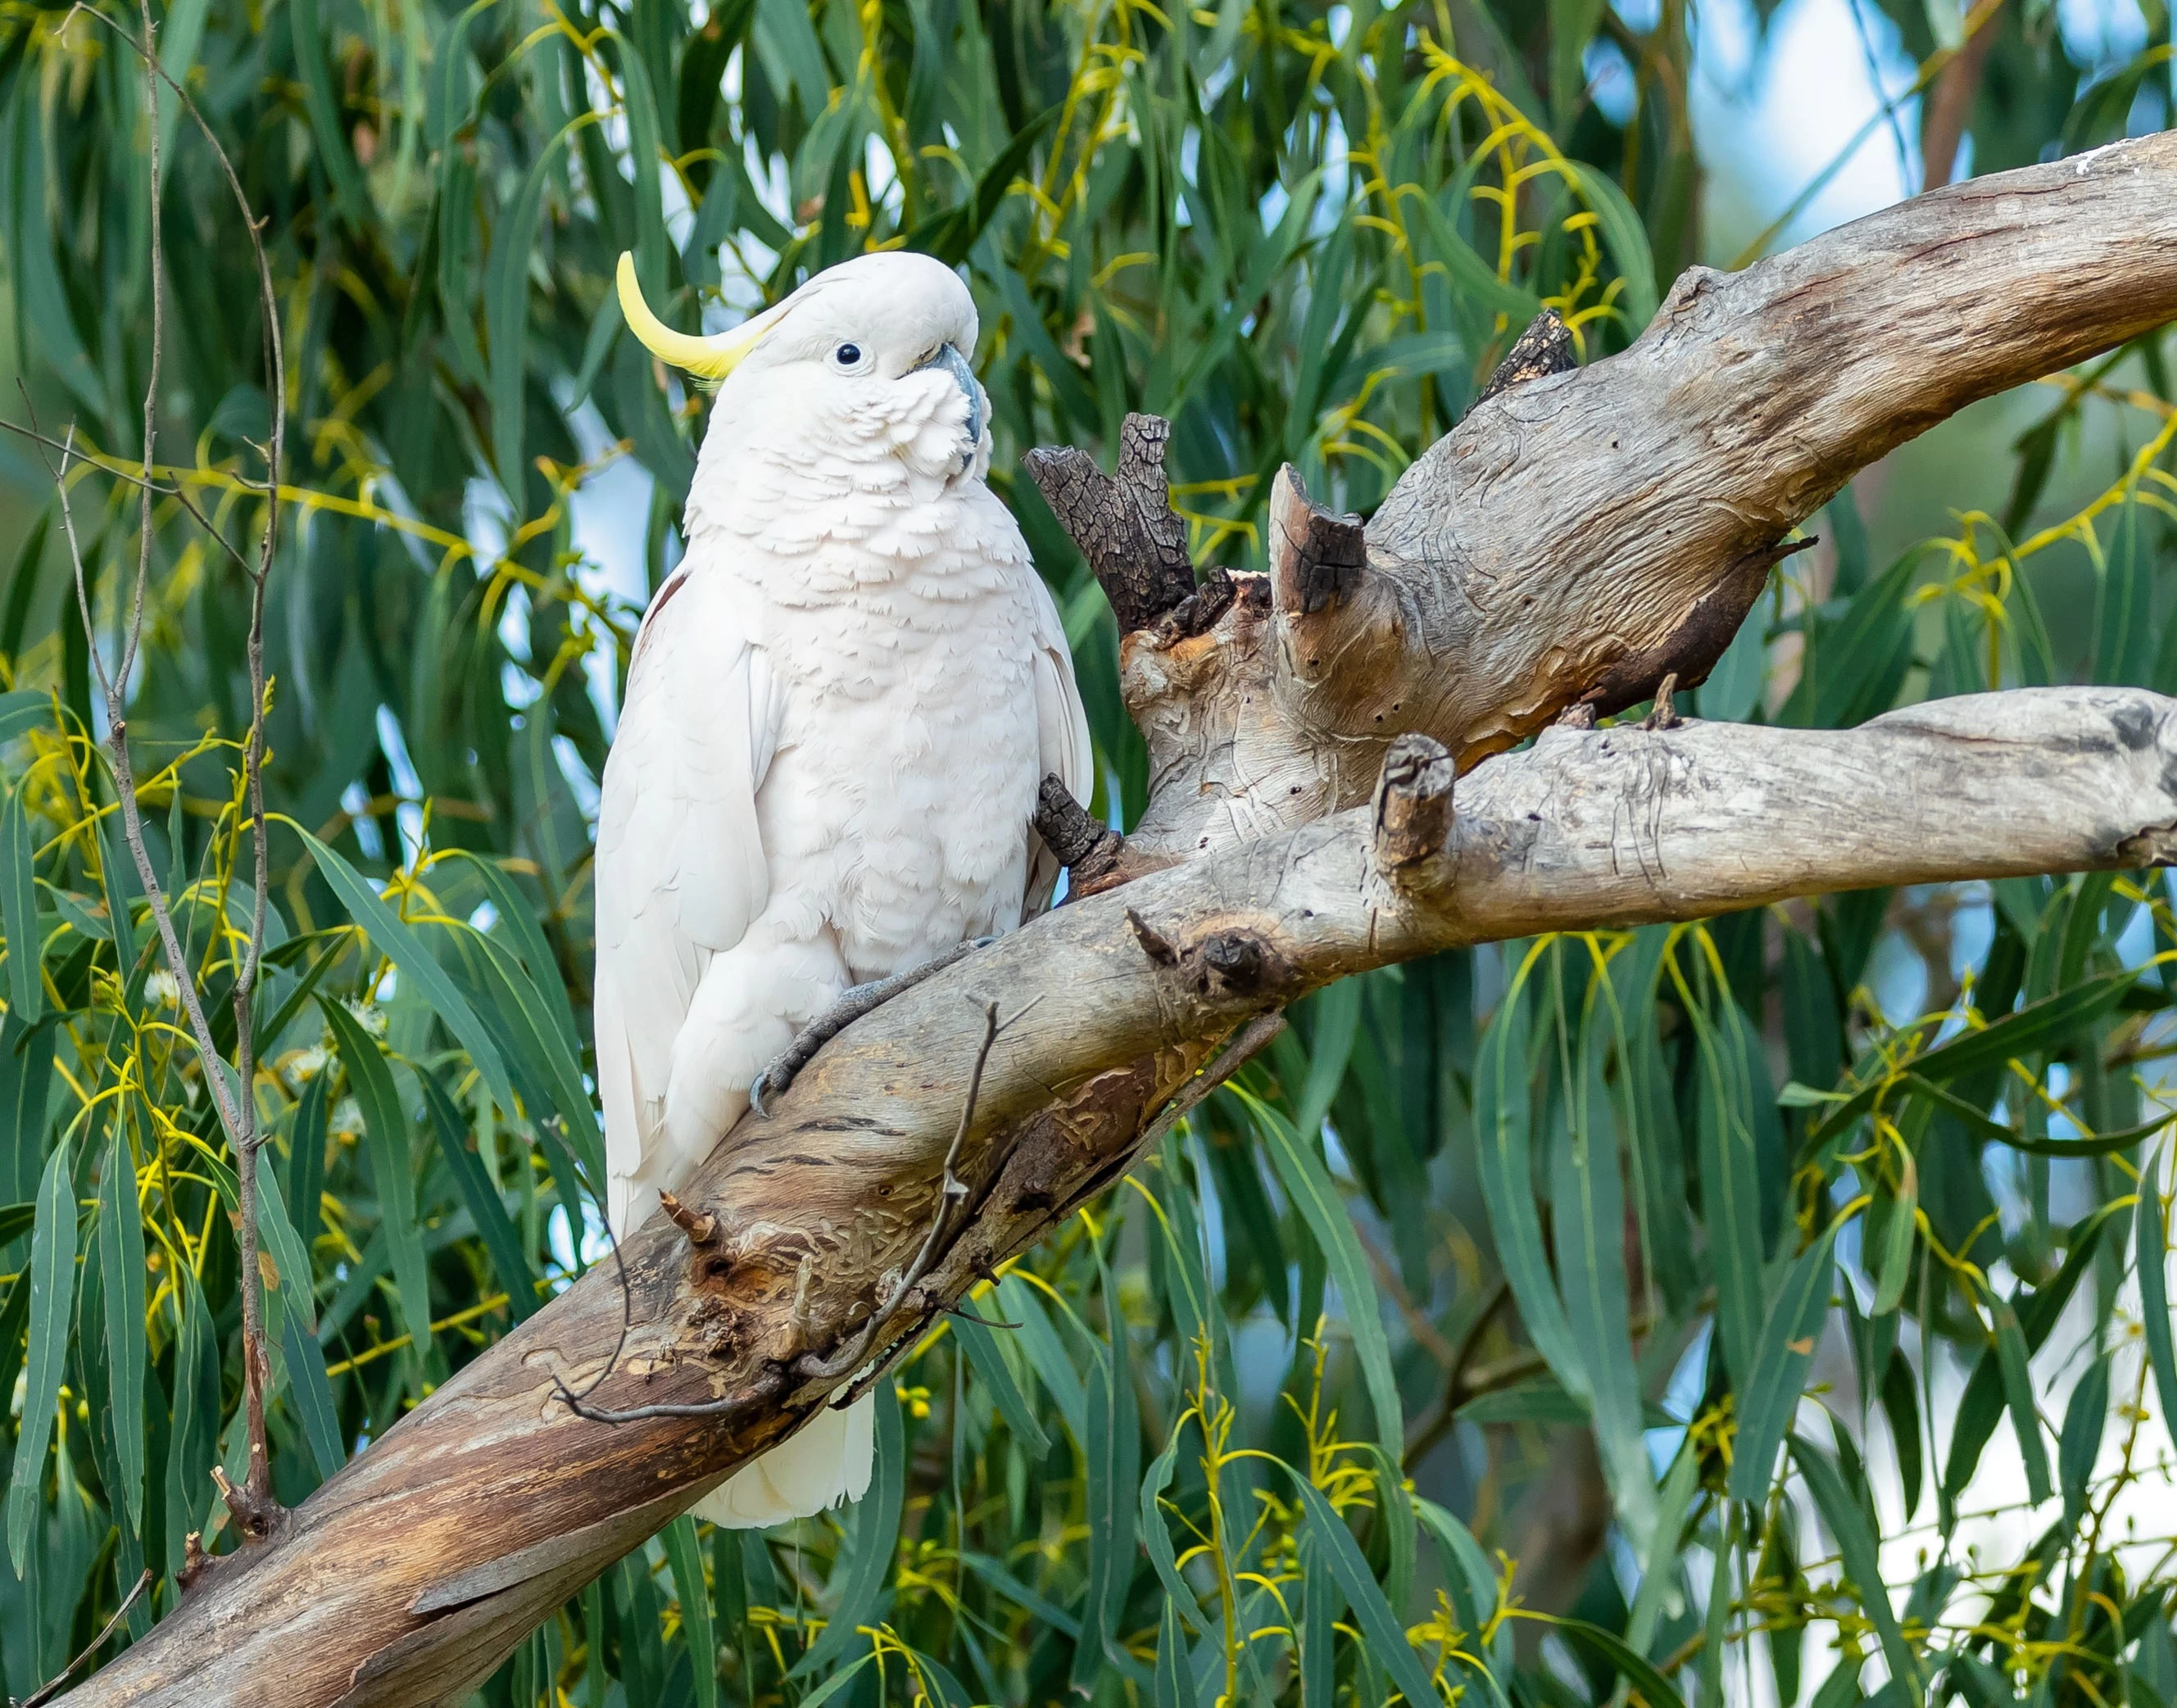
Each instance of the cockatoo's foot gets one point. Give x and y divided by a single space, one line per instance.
851 1004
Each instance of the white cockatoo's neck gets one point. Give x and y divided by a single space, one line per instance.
908 447
814 505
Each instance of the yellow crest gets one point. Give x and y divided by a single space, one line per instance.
707 358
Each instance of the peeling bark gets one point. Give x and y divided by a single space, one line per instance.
1568 535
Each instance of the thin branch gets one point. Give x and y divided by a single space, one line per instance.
253 1506
952 1192
642 1414
1459 1377
1948 109
176 492
128 662
1873 62
1419 1328
50 1688
578 1403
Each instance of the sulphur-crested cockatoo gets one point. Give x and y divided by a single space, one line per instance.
839 708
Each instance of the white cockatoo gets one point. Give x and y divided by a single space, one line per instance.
838 711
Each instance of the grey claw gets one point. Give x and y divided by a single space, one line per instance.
778 1076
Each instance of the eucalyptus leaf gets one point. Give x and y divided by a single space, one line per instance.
398 942
52 1297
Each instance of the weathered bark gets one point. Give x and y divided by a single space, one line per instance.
1581 534
1572 524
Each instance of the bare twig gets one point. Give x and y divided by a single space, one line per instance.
253 758
1948 109
176 492
255 1509
952 1192
848 1008
50 1688
968 1315
578 1403
1423 1333
113 688
1249 1039
1459 1378
1874 62
639 1414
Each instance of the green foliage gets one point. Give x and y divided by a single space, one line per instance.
1813 1207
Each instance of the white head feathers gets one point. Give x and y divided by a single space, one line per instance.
859 381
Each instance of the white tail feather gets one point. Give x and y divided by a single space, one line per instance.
827 1462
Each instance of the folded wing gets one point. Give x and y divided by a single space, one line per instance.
680 864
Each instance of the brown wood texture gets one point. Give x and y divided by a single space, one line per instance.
1574 522
1581 533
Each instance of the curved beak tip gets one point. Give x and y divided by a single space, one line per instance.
948 358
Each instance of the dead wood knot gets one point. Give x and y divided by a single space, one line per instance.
1237 961
1665 713
1412 808
1317 557
1123 524
719 1331
2152 845
1230 961
195 1563
1198 612
258 1517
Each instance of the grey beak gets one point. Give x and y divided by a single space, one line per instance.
954 364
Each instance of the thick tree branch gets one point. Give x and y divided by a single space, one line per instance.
1569 529
407 1577
1580 534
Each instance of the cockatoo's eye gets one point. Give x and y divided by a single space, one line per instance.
848 356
